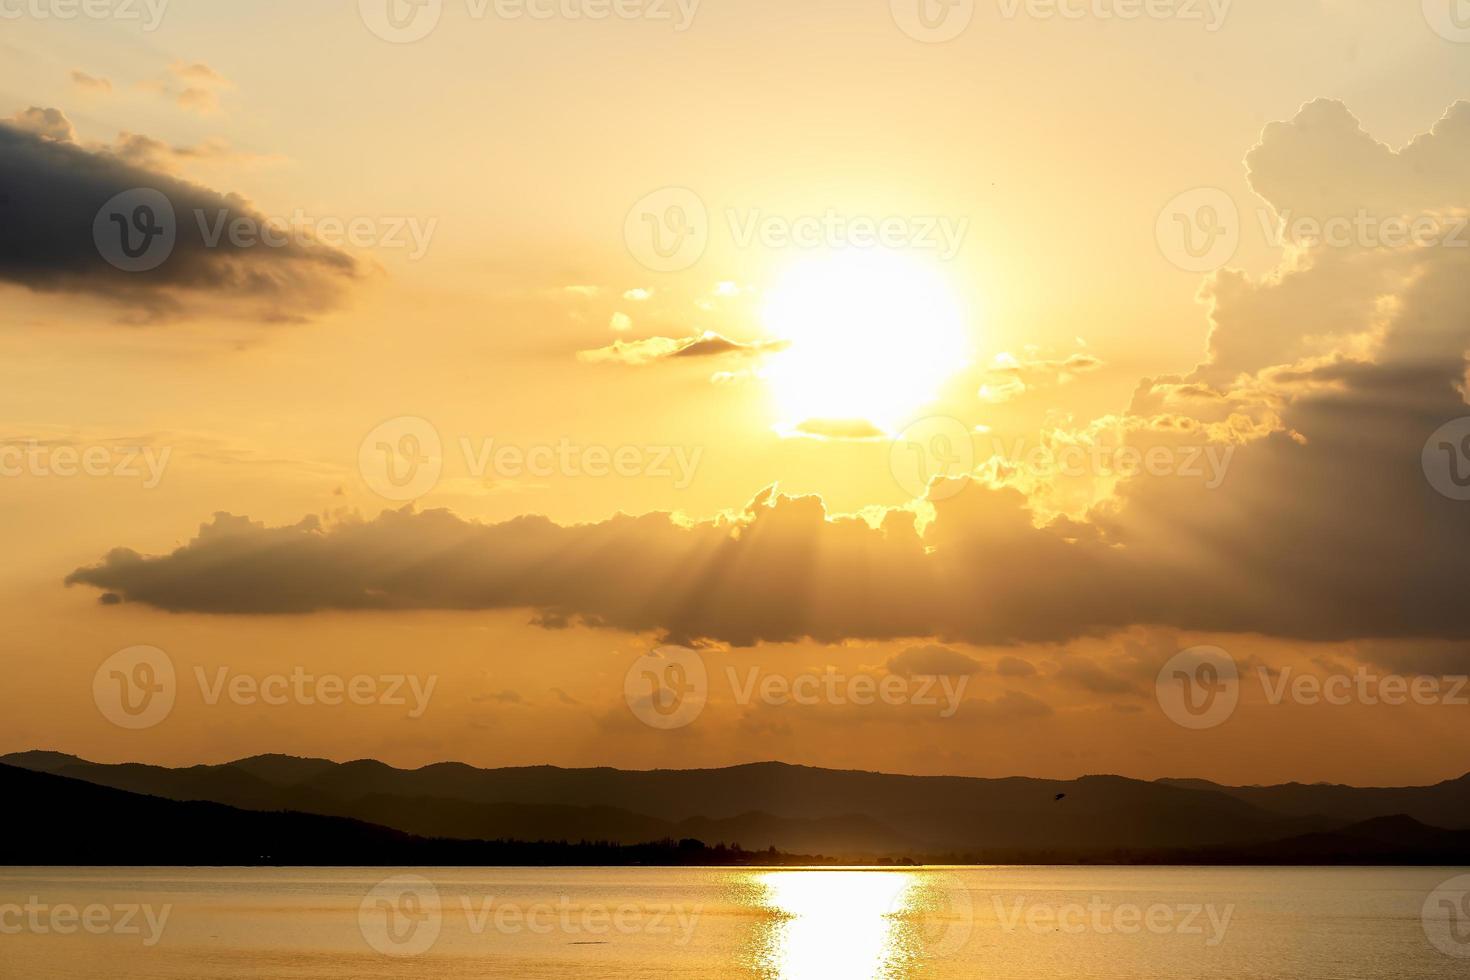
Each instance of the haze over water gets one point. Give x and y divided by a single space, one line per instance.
1007 922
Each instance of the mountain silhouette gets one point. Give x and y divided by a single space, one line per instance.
67 822
791 808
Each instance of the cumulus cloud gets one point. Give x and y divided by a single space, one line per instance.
1323 163
1327 377
48 124
52 191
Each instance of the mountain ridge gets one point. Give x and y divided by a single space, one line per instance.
772 804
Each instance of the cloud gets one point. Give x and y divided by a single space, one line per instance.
1326 378
193 86
198 73
933 660
47 124
1087 675
52 191
854 430
91 84
1010 376
498 697
1323 163
621 322
653 349
1417 657
154 154
1010 706
1009 666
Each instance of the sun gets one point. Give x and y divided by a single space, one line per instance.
871 336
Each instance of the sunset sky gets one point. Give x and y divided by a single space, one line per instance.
656 329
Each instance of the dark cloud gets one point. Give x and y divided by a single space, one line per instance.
52 191
1417 657
932 660
713 345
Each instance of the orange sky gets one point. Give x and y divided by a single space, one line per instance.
579 292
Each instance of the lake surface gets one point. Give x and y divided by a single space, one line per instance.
1009 923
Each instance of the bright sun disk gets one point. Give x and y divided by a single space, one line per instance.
872 337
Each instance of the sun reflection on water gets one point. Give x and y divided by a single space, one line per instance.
858 924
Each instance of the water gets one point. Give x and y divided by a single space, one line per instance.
1009 923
